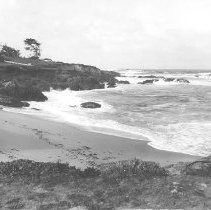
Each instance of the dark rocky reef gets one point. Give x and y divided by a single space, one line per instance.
155 79
169 79
123 82
90 105
148 81
180 80
112 83
151 76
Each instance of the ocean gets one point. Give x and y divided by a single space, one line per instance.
173 116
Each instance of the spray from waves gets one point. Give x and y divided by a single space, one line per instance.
193 81
195 77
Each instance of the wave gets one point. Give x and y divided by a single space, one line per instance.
193 76
190 138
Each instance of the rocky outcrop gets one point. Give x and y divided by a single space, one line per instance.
182 80
12 102
27 82
85 83
148 81
57 75
123 82
22 93
112 83
169 79
90 105
151 76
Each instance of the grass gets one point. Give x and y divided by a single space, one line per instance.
139 184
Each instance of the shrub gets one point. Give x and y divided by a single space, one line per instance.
133 168
9 52
40 172
1 58
90 172
200 168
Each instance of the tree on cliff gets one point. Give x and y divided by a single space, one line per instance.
7 51
33 46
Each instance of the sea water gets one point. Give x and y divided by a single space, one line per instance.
173 116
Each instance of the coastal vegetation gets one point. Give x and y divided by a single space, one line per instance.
33 46
125 184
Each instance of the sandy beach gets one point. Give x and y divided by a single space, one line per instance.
30 137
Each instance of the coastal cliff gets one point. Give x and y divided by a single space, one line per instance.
25 81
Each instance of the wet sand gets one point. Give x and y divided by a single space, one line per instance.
30 137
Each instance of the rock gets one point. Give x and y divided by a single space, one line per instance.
123 82
170 79
90 105
85 83
112 83
151 76
182 80
12 102
200 167
36 109
22 93
148 81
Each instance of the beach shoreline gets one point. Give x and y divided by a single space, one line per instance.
30 137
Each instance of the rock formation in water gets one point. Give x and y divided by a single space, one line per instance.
123 82
148 81
90 105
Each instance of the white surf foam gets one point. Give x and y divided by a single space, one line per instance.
190 138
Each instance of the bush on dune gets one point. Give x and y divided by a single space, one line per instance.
61 172
40 172
201 167
133 168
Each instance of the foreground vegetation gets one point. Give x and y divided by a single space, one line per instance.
26 184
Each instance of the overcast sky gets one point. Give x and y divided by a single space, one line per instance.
113 33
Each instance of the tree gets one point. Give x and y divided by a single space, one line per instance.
7 51
33 46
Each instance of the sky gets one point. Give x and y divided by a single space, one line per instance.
112 34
